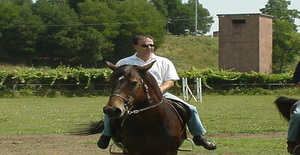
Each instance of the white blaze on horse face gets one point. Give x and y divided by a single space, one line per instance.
121 77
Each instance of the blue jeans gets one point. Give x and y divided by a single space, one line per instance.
294 124
194 124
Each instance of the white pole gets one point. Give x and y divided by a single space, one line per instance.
199 90
196 17
184 89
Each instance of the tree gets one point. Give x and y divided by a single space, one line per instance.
19 32
74 4
22 2
204 19
182 18
99 37
285 44
60 42
136 17
51 32
161 7
92 51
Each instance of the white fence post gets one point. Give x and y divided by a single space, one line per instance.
186 90
184 93
199 90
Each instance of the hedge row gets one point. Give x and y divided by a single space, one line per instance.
60 75
64 75
211 77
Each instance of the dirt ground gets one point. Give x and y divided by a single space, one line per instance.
62 144
52 144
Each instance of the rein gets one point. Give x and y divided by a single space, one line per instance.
144 109
129 112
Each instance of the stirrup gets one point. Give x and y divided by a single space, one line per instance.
114 146
191 143
296 150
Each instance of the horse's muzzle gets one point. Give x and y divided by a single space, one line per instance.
113 112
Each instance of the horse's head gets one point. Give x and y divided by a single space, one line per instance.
128 88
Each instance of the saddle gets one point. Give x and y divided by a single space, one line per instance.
182 110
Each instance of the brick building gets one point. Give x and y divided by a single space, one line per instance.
245 42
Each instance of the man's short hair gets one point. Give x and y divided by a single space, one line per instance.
136 39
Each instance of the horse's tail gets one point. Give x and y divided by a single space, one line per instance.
284 105
90 128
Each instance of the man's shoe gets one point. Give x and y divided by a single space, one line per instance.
200 141
103 142
291 146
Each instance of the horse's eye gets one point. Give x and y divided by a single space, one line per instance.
134 83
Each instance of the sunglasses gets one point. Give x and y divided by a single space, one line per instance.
147 45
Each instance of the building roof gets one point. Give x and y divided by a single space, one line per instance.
245 14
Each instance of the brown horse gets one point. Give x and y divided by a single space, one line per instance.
142 121
286 106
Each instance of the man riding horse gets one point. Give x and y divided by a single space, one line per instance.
165 74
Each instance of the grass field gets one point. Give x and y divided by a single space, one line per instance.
238 124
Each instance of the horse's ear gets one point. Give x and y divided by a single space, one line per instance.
111 66
146 67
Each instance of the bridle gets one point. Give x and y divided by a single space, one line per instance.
127 102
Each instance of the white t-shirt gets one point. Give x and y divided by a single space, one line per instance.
162 70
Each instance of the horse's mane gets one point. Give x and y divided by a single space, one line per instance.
151 82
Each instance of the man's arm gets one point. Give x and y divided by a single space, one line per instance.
166 85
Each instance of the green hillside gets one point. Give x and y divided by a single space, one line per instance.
190 51
196 51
